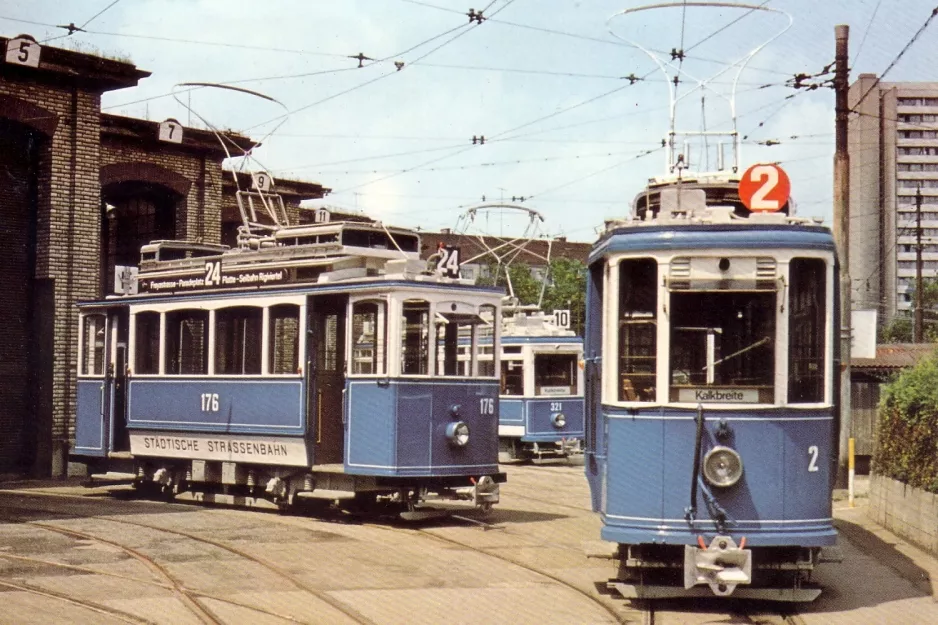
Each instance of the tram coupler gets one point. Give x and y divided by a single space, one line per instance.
721 565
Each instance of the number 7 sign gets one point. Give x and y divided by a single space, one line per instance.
764 188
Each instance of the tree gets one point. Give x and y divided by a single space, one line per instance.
566 286
567 290
900 329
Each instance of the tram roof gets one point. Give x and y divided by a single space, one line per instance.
378 283
754 236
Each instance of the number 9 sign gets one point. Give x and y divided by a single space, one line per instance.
764 188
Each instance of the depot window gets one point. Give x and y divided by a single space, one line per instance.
283 335
806 330
187 342
638 330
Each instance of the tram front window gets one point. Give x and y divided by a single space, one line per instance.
555 374
415 338
722 347
451 330
512 378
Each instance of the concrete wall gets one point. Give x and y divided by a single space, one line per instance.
905 511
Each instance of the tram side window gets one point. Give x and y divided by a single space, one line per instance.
238 340
147 347
187 342
284 339
415 338
486 338
806 330
512 378
92 356
368 338
638 333
555 374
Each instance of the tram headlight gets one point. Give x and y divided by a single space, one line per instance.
458 433
722 466
558 420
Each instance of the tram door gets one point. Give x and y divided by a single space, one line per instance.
120 438
102 384
326 363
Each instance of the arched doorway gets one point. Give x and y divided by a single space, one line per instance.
134 213
21 149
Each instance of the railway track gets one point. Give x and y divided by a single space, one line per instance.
192 599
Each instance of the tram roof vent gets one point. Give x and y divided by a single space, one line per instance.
681 202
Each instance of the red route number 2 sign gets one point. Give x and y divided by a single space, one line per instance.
764 188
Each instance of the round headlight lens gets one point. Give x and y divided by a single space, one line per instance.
722 466
559 420
458 433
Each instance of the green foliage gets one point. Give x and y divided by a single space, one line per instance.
907 448
900 329
567 290
566 287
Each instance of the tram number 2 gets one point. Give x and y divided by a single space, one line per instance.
213 273
209 402
812 462
486 405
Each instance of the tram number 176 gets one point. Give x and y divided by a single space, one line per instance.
486 405
209 402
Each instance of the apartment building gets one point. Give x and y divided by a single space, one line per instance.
893 147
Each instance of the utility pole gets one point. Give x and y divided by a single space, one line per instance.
918 334
842 239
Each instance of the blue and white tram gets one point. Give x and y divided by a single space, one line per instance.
541 393
317 363
711 345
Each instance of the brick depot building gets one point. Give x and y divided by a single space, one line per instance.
80 192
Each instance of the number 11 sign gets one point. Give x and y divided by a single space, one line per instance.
764 188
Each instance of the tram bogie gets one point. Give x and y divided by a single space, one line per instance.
712 396
315 362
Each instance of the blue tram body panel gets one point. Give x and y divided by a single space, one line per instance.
398 427
90 433
511 411
783 498
244 406
538 414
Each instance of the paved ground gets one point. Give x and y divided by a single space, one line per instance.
72 555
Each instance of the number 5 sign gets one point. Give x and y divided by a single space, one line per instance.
764 188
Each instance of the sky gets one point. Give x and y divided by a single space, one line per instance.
572 106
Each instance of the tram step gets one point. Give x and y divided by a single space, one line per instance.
601 549
324 493
112 476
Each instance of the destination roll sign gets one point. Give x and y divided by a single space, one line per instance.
215 276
